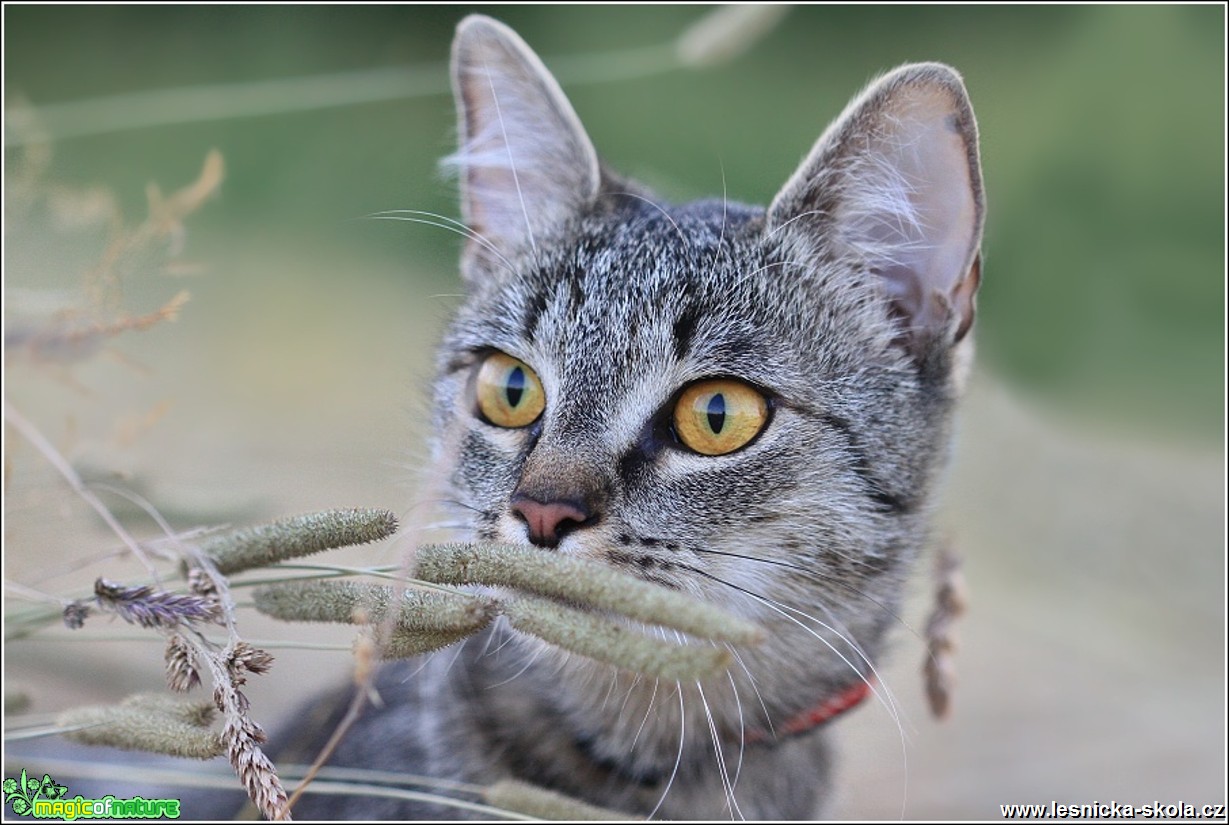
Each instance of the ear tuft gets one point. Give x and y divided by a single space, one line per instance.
895 185
526 164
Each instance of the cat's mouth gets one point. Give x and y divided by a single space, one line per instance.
656 560
694 639
819 687
645 566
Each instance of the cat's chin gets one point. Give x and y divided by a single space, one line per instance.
760 699
802 663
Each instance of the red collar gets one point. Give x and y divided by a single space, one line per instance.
828 708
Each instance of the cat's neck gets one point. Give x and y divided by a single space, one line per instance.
571 723
616 739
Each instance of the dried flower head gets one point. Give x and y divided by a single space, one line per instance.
181 672
246 659
950 603
242 737
75 613
153 608
200 583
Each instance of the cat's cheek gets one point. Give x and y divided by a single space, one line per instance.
488 462
751 475
962 366
510 530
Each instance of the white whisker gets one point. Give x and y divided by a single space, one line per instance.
890 704
648 711
533 657
785 610
810 214
456 227
755 688
724 215
614 682
658 207
884 698
679 759
742 725
726 784
516 180
627 696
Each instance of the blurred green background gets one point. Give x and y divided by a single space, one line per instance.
1088 488
1102 146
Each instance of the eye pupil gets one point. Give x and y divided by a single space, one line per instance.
716 413
507 392
717 416
515 388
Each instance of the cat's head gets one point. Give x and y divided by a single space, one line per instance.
749 404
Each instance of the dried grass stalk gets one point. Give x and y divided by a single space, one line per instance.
950 603
601 639
727 32
75 337
199 714
523 798
350 602
242 737
297 536
147 723
403 644
580 580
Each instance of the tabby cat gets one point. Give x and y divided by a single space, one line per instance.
751 405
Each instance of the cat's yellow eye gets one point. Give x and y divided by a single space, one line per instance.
509 392
718 416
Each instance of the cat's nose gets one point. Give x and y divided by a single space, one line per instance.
549 521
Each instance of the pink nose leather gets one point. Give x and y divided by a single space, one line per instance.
548 522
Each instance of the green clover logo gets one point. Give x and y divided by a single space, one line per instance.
50 790
23 792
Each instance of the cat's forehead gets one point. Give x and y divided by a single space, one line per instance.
644 285
641 301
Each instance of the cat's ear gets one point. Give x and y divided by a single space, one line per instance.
525 161
894 185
